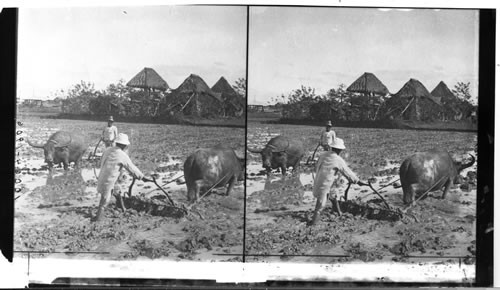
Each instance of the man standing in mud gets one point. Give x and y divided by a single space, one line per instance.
109 133
327 137
113 160
329 165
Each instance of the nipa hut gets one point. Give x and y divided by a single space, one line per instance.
444 93
368 84
233 104
148 79
414 102
372 89
194 97
449 100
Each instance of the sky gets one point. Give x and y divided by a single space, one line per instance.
324 47
59 47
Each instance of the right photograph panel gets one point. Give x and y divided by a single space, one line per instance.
362 136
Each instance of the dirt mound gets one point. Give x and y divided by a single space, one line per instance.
289 235
155 207
368 211
147 248
360 251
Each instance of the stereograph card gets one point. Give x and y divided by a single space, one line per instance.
204 144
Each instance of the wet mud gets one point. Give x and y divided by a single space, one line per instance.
435 230
53 211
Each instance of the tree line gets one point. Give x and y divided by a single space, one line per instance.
341 105
120 100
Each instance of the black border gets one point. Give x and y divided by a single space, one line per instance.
8 78
484 236
486 131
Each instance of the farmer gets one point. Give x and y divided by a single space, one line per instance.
113 160
109 133
329 165
327 137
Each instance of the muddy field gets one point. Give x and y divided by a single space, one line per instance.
53 212
278 209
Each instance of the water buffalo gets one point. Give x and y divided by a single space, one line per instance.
64 147
281 152
215 166
430 170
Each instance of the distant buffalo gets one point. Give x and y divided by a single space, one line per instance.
215 166
62 147
429 171
281 152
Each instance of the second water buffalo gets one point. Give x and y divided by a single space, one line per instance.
281 152
215 166
429 171
62 147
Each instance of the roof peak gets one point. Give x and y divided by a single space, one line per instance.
148 78
368 83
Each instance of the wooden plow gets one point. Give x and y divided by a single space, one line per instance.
172 209
387 212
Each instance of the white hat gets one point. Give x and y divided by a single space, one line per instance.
329 124
122 139
338 144
111 119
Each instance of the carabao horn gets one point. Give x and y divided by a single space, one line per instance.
40 145
469 164
252 150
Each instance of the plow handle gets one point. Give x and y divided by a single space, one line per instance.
374 191
163 190
314 153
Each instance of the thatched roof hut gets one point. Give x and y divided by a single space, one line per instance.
222 86
368 83
453 105
195 84
194 97
413 88
414 102
442 91
148 79
234 104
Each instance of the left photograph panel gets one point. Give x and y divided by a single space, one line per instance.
132 133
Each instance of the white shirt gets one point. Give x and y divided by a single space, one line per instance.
109 133
112 162
327 169
327 138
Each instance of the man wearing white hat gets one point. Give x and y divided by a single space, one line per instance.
113 160
109 133
327 137
327 168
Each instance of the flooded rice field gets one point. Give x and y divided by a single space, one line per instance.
53 211
279 208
